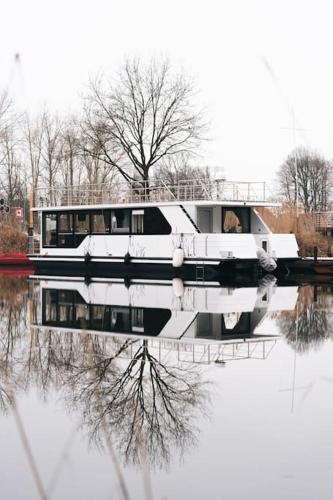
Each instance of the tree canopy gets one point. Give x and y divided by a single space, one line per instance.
311 174
142 118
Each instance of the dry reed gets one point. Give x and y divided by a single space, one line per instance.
283 220
12 239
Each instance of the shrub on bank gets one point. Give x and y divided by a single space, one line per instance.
12 239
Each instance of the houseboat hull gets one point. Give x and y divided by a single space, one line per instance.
228 271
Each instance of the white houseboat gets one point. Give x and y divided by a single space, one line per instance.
193 230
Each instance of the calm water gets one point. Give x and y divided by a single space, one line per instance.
196 393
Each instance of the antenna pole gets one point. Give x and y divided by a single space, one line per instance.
296 166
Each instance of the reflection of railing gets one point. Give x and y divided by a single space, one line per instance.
205 352
151 191
186 351
217 352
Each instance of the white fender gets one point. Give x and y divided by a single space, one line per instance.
178 257
178 287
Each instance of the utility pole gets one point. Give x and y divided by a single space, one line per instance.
290 108
296 166
294 129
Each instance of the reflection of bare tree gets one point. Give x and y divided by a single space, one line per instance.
310 323
119 384
148 406
13 324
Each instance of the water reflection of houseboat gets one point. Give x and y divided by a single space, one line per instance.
203 316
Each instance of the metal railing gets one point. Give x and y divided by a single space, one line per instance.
151 191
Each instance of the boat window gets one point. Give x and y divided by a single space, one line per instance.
236 220
81 316
155 222
154 320
99 317
82 223
81 227
138 221
120 319
137 320
65 313
236 324
65 230
50 307
120 221
100 222
65 223
50 230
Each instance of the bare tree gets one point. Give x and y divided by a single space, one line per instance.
11 179
314 179
70 157
52 149
144 117
33 144
94 169
6 110
176 169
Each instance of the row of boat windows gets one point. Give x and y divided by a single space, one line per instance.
68 229
66 308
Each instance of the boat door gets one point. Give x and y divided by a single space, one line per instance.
205 220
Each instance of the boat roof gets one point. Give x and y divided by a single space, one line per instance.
199 203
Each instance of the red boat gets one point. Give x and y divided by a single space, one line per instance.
15 263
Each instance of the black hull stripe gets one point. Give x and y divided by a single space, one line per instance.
133 259
229 272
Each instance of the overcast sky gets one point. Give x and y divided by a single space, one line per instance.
222 44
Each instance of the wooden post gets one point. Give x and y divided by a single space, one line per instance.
315 253
315 293
31 204
31 222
